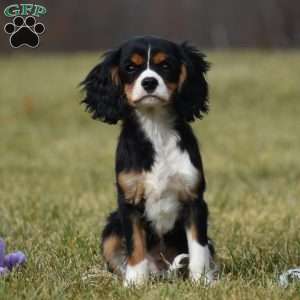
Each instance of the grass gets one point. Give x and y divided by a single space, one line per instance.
56 178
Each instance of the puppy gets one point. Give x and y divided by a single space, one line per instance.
155 88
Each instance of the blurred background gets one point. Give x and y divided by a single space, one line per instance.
57 164
92 25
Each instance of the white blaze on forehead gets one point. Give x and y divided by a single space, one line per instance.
138 91
148 57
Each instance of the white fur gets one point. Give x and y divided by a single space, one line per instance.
138 91
148 57
199 264
179 262
172 170
137 275
163 212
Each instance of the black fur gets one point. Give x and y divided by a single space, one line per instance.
192 101
106 100
132 138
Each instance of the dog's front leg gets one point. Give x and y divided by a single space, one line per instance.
137 269
196 230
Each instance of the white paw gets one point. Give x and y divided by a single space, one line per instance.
207 273
136 275
201 265
197 272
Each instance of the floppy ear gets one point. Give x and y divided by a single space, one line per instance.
192 99
104 93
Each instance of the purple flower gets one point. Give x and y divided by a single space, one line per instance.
14 259
3 271
11 260
2 252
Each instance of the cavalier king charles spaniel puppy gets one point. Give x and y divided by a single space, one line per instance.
155 88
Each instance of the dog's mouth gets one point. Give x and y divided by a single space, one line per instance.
150 99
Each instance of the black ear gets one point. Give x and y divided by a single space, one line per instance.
104 91
192 99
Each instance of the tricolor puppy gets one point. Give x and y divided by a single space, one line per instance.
155 88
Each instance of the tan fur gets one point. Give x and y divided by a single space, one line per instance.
115 75
112 251
184 193
159 57
128 92
182 76
137 59
194 231
187 194
132 184
139 245
171 86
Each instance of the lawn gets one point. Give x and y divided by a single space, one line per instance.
57 180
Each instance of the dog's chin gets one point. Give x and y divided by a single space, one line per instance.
150 101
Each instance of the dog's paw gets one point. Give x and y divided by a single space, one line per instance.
199 277
202 266
136 275
208 274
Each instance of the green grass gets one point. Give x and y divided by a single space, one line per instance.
56 178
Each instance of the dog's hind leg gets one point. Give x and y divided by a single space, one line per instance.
113 245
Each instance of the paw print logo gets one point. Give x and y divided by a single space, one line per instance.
24 32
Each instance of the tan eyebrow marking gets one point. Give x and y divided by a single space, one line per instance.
137 59
159 57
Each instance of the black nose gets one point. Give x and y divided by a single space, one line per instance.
149 84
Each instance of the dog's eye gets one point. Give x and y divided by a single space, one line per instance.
165 65
131 68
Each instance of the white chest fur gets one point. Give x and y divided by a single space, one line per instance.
171 173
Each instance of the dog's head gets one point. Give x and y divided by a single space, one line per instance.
148 73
